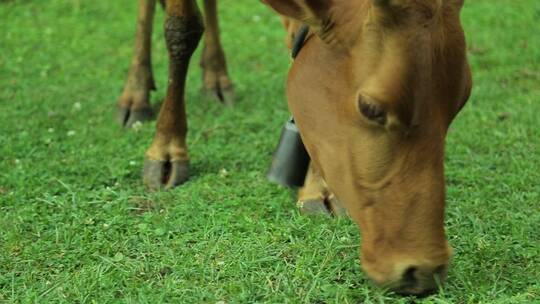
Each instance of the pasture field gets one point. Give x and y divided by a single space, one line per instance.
77 225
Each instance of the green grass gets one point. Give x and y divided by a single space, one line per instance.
76 224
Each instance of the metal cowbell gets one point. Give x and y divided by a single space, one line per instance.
291 160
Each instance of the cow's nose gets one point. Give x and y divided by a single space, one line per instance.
418 280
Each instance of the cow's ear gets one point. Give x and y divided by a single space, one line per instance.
315 13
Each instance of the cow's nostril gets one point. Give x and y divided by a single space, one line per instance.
420 281
409 276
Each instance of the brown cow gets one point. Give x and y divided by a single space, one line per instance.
373 91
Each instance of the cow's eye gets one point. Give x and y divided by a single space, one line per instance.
372 111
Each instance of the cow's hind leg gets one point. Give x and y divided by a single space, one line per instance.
315 198
167 162
216 81
134 103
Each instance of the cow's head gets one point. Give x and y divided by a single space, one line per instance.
373 92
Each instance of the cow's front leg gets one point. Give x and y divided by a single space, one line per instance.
167 162
216 81
134 103
316 199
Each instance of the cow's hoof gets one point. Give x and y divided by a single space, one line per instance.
127 117
322 206
165 174
226 95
